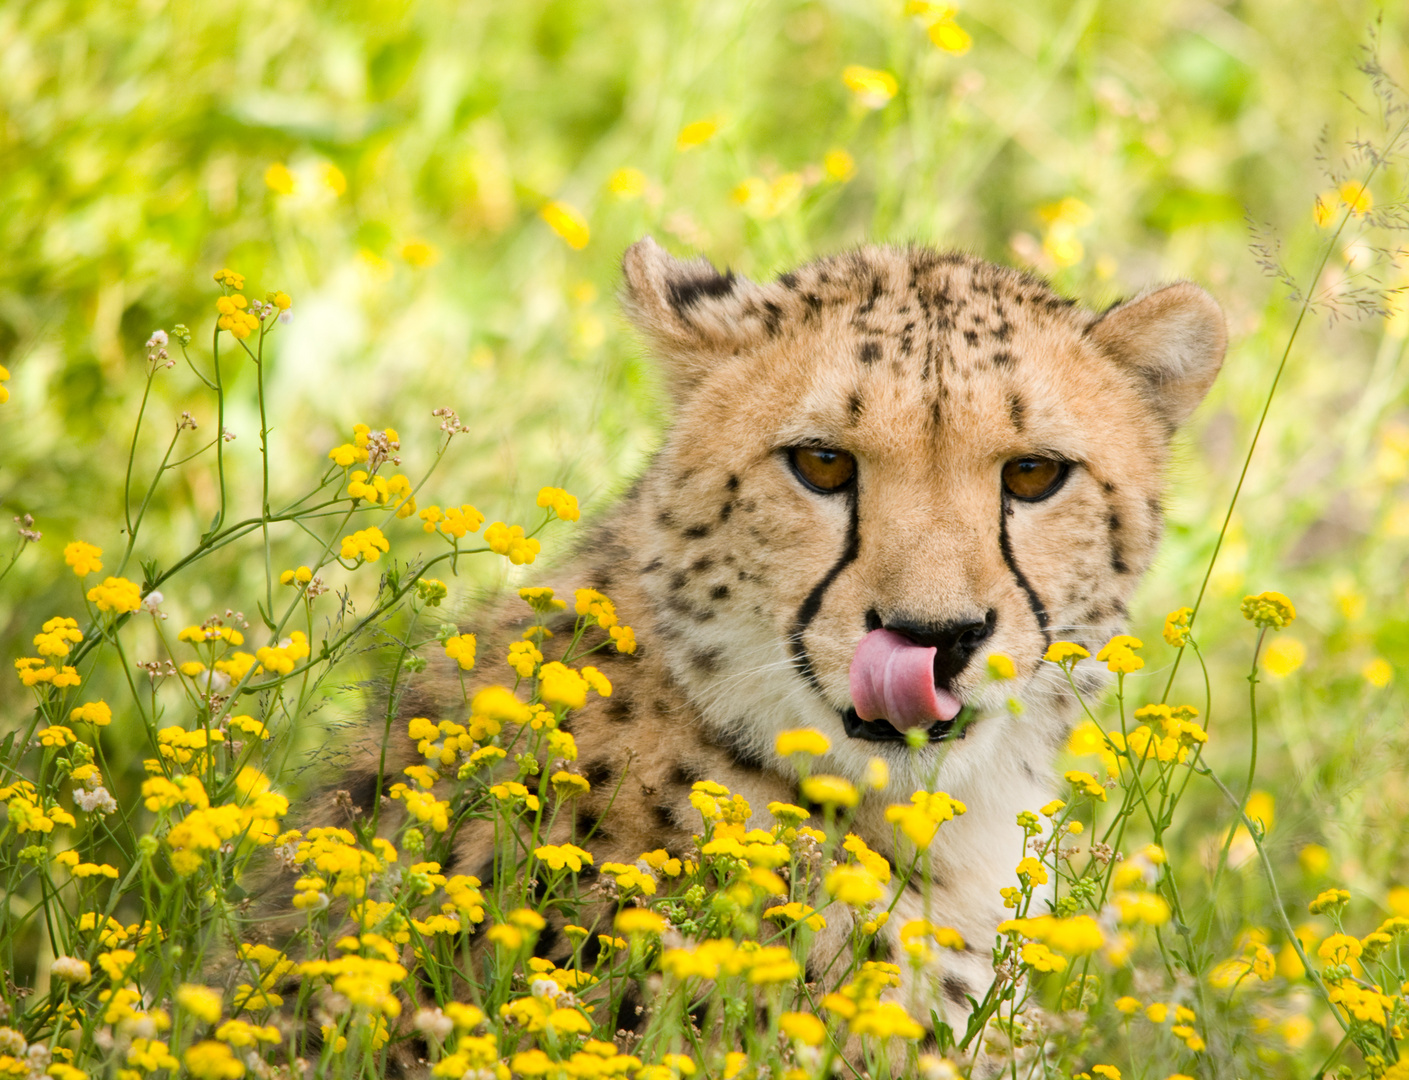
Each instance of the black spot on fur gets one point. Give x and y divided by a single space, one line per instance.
599 773
632 1014
971 336
705 660
1004 331
1108 487
788 280
1113 522
664 814
772 317
719 592
686 294
814 305
1016 411
618 709
1118 561
697 532
651 567
853 406
364 792
589 825
685 773
869 352
735 748
679 580
956 990
700 565
732 484
725 511
1002 358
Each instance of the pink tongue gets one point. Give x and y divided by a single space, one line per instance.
892 679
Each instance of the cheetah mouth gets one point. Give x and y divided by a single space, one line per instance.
885 731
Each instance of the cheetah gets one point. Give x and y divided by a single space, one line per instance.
883 468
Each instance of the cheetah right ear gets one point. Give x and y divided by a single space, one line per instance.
1173 338
690 312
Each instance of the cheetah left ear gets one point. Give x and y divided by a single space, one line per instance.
1174 338
692 314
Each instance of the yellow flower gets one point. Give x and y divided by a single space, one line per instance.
802 741
638 920
799 913
1340 949
830 791
803 1027
1378 672
872 88
594 605
211 1060
853 885
950 36
1329 900
1084 781
57 636
696 133
886 1020
1128 1005
461 649
365 544
1040 958
839 165
511 542
1357 197
1268 609
1119 654
523 657
84 558
279 180
559 502
561 686
4 377
558 856
200 1001
420 253
1283 656
333 178
1065 653
302 576
1110 1072
627 183
1001 667
568 785
568 223
1176 626
623 638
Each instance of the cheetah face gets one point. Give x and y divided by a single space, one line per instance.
889 466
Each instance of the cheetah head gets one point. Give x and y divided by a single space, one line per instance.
884 468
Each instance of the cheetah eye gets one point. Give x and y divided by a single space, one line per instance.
823 470
1033 478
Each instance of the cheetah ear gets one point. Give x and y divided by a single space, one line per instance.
1174 338
690 312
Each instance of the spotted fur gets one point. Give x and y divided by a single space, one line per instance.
748 592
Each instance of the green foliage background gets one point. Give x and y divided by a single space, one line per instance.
136 137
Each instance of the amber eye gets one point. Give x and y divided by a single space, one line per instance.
822 470
1033 478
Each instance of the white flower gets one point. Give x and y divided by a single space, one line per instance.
98 800
545 988
433 1022
158 340
151 600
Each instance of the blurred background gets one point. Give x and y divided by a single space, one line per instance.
445 189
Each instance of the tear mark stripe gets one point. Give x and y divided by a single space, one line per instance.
813 603
1006 547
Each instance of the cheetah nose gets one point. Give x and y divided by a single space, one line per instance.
892 678
954 641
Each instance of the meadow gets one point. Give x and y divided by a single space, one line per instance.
306 309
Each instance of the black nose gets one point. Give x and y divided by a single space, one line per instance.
954 642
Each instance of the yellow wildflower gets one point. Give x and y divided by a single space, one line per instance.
568 223
1065 653
559 502
872 88
1176 626
1268 609
1119 654
802 741
696 133
84 558
830 791
461 649
511 543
